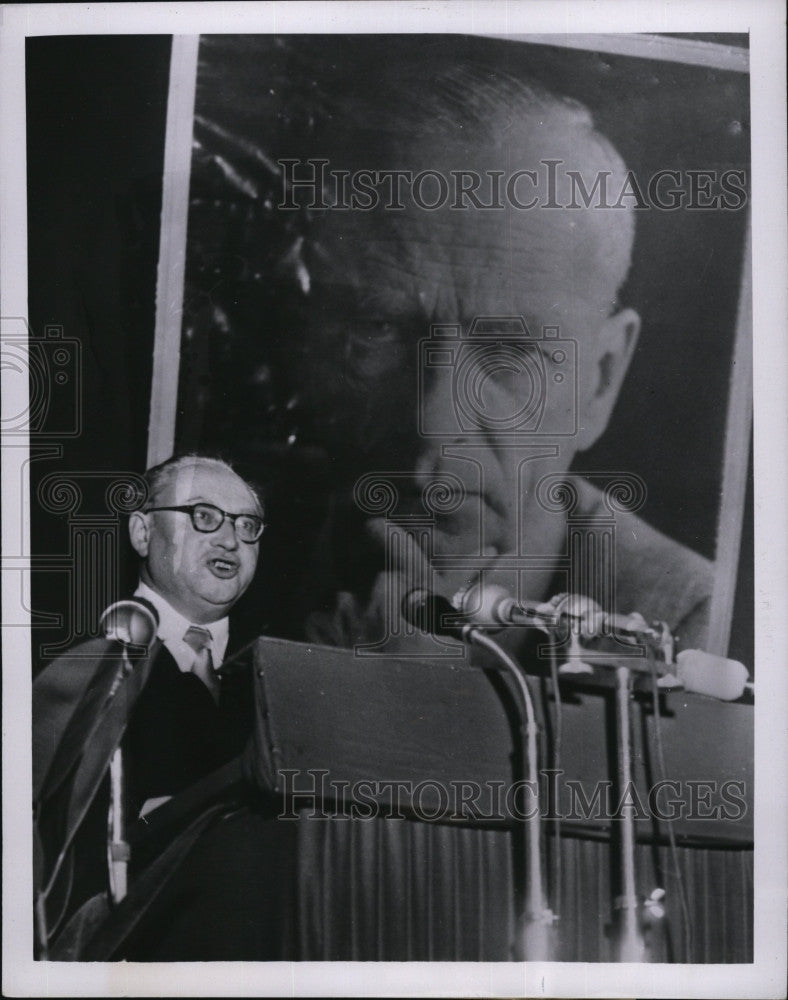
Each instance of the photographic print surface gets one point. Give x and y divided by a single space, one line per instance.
451 337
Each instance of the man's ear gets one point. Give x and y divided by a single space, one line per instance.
612 352
139 533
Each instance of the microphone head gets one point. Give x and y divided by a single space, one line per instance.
715 676
132 622
427 612
487 605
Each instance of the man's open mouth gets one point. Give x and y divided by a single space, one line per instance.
225 569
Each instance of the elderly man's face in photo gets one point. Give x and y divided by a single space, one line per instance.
380 281
201 574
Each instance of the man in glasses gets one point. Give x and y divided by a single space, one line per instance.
197 536
197 540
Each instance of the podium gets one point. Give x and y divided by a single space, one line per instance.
392 821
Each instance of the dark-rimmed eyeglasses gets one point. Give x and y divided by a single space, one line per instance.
207 518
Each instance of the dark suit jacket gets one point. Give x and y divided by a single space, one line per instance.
175 735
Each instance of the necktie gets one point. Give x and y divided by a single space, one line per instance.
200 641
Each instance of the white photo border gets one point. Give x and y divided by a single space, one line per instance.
764 20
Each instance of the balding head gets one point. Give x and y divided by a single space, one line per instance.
160 478
484 121
200 570
532 152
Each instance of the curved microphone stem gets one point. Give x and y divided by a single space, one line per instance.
538 936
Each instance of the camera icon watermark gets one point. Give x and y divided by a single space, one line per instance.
502 379
42 382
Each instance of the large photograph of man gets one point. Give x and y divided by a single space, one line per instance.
408 189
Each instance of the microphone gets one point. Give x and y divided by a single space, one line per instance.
714 676
493 605
697 672
427 611
132 622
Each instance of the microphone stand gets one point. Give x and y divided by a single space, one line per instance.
131 623
691 669
538 938
629 940
118 851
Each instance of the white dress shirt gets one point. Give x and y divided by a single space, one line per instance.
173 627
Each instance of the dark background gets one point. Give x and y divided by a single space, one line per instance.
95 156
96 110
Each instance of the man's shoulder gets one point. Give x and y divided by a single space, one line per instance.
658 576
